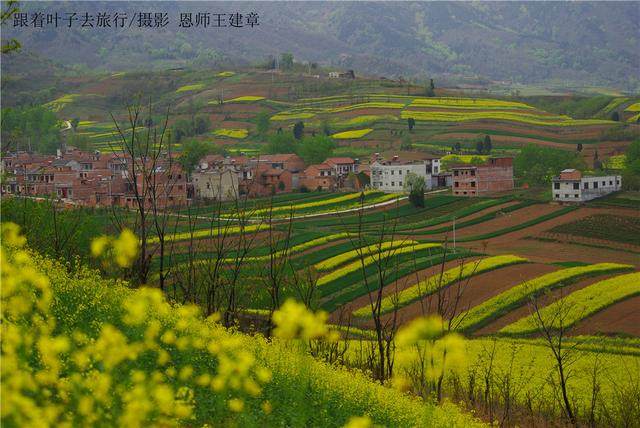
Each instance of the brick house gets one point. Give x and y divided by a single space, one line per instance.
475 180
319 177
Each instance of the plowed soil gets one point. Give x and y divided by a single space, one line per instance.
623 317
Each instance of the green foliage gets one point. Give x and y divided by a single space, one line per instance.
316 149
34 128
411 122
262 123
416 186
286 61
52 230
536 165
193 151
189 128
298 130
282 142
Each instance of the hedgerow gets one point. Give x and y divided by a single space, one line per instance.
504 302
580 304
431 284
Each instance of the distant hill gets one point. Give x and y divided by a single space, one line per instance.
583 43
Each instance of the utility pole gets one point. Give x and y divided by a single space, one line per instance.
454 234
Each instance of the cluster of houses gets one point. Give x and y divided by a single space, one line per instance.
98 179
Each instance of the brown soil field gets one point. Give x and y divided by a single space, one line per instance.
469 217
368 111
503 221
564 237
548 252
497 139
525 310
400 285
478 289
461 110
622 317
563 133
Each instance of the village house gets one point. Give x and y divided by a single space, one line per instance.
319 177
342 166
475 180
389 175
93 179
572 186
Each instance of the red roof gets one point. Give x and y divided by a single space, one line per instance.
336 161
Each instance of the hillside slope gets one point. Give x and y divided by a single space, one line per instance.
585 43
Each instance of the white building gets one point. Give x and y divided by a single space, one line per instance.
571 186
389 175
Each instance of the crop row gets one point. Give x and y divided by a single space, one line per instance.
356 133
216 230
369 260
340 259
580 304
504 302
436 282
436 116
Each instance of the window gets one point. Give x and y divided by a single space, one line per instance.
604 183
457 184
473 173
393 183
400 172
557 196
473 184
455 173
391 172
576 186
610 183
595 184
399 183
566 195
556 185
575 196
586 185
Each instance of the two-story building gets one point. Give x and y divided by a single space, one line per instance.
388 175
572 186
496 175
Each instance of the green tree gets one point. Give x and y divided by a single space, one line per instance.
282 142
487 144
406 143
411 122
9 9
615 116
579 147
298 130
480 147
415 185
30 128
536 165
316 149
193 151
286 61
262 123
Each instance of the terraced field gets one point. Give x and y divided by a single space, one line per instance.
369 119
